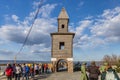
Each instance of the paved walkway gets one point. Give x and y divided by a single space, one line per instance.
62 76
55 76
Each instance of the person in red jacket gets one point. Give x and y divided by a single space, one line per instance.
8 72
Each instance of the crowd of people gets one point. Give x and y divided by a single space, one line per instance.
25 71
93 72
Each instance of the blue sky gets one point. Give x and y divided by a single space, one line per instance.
96 24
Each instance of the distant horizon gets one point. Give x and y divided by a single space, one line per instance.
45 61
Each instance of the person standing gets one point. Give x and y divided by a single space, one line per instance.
27 71
93 71
103 68
32 71
40 68
83 72
14 70
8 72
18 72
111 74
23 71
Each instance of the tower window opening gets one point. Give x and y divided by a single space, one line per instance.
63 26
61 45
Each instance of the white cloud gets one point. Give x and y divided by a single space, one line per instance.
3 54
6 18
108 25
1 42
24 56
15 18
12 33
40 34
46 10
82 26
38 3
40 49
102 30
44 13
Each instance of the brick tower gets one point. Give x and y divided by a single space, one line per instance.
62 43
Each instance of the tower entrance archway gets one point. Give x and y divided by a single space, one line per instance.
61 65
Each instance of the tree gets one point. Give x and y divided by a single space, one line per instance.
112 59
107 58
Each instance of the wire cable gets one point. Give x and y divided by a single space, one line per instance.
26 38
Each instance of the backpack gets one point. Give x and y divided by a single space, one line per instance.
8 72
110 75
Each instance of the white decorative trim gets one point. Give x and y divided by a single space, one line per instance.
70 59
53 59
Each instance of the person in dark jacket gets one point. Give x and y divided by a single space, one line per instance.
93 71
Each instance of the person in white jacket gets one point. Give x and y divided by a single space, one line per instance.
18 72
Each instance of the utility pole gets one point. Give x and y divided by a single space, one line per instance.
15 59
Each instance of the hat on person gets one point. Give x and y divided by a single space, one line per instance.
93 63
84 63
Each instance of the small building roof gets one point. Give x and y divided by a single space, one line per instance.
63 14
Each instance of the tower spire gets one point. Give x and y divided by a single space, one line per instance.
63 14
